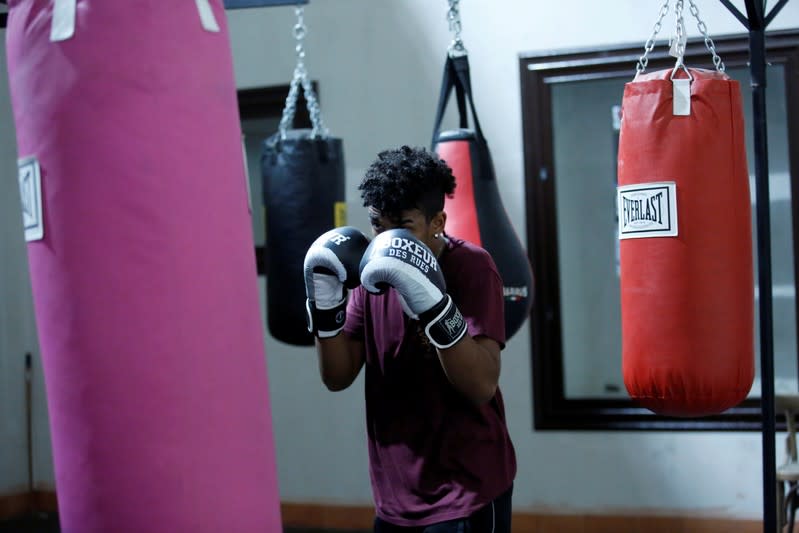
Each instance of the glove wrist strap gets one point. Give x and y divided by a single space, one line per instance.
326 322
445 325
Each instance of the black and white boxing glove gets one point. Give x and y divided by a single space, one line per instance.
395 258
331 269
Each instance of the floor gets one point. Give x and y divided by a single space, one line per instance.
41 523
49 524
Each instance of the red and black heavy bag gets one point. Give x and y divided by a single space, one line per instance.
685 228
475 213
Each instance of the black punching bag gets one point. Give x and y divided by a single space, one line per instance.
476 213
303 186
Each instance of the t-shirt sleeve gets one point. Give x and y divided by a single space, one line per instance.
354 324
479 297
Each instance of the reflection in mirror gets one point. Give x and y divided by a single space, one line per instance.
584 148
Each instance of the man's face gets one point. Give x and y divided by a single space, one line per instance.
410 219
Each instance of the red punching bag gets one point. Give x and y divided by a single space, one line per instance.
475 212
685 228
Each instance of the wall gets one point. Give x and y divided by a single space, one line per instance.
378 63
379 81
12 349
17 329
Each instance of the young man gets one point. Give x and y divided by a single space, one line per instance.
427 324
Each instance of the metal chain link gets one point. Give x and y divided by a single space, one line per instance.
717 62
679 33
456 48
300 79
650 43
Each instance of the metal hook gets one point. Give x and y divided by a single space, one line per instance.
681 65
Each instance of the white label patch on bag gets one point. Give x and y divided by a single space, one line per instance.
647 210
63 23
681 101
207 16
30 189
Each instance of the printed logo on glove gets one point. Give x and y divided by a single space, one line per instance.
396 258
455 323
407 249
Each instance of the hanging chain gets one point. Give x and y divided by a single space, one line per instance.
456 48
679 41
678 46
717 62
650 43
299 31
300 79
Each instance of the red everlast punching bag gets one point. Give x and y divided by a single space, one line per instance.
685 233
475 213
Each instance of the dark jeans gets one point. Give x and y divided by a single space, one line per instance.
492 518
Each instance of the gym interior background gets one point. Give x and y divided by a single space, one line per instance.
377 65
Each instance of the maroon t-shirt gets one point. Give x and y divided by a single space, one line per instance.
433 454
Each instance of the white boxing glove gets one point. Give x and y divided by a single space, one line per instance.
396 258
331 269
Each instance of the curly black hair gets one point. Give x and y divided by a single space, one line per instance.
407 178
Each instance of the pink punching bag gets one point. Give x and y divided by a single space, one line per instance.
475 212
687 295
143 272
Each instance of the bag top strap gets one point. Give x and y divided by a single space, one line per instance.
457 76
448 82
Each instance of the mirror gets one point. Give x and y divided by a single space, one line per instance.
571 121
